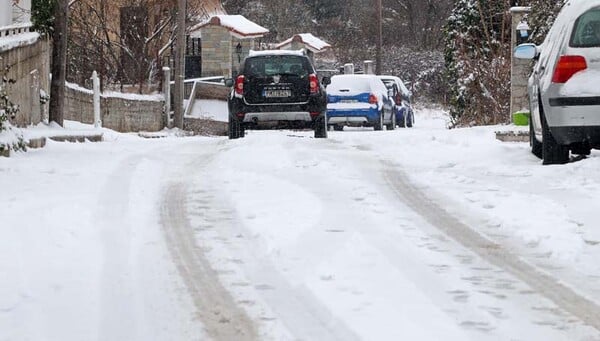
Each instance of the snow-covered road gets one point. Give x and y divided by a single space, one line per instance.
424 234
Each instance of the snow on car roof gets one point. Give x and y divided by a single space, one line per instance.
277 52
355 84
578 6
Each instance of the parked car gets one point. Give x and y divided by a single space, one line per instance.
403 109
563 92
279 89
359 100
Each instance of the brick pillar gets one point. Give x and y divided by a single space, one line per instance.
520 68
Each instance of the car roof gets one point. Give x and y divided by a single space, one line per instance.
277 53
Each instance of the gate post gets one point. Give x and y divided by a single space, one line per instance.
96 85
167 94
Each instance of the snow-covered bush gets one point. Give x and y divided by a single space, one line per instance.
424 71
477 58
10 138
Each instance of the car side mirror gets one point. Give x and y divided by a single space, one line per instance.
326 81
229 82
526 51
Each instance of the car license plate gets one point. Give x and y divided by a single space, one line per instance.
277 93
348 101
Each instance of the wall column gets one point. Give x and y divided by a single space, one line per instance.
520 68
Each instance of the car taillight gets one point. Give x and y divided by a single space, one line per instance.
239 85
313 82
373 99
567 66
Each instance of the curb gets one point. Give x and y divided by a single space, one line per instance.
40 142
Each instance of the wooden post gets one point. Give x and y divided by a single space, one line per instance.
180 65
167 94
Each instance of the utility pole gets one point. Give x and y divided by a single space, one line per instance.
59 62
179 64
378 8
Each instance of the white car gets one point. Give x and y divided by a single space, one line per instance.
563 93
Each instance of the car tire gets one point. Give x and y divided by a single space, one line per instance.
379 123
234 128
411 120
338 127
581 149
320 127
536 146
552 152
392 125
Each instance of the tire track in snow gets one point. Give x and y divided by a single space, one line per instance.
223 319
564 297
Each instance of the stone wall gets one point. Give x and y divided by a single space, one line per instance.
123 113
30 67
216 51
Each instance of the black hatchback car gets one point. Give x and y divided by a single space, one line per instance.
277 89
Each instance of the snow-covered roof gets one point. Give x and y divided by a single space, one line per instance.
311 42
238 25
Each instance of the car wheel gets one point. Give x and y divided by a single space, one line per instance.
379 122
338 127
392 124
321 127
552 152
410 120
536 146
234 128
581 149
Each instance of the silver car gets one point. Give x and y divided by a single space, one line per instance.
564 93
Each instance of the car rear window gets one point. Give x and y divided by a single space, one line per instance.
586 32
389 83
265 66
350 84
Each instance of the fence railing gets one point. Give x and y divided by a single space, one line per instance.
16 29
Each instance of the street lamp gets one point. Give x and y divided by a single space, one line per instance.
238 51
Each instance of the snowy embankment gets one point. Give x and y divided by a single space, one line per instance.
83 252
308 236
210 109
